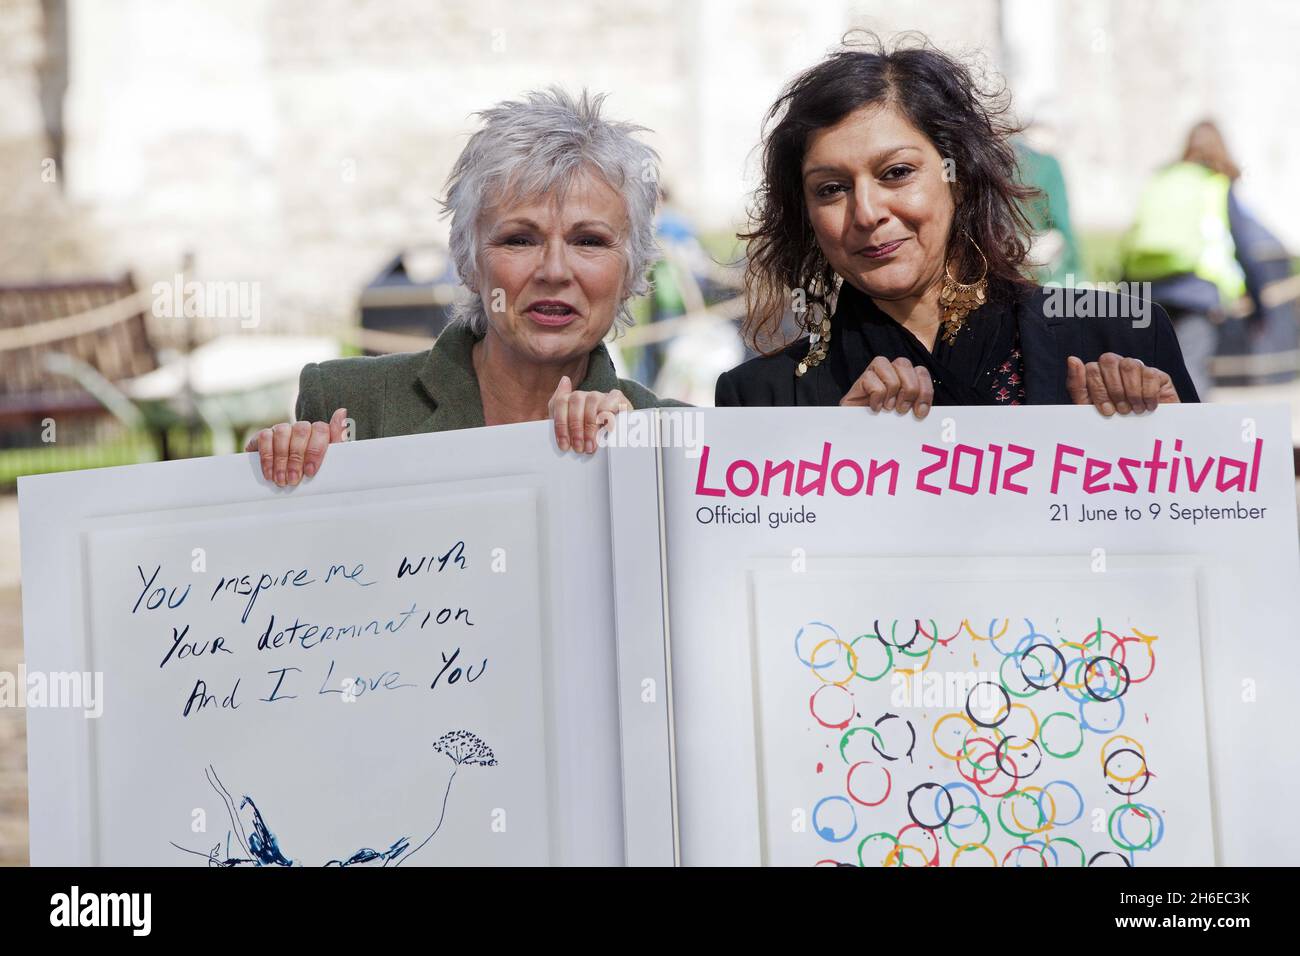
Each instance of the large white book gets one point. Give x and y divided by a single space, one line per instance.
733 636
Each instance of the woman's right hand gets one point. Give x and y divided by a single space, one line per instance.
290 451
897 386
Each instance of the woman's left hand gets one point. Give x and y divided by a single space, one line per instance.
1117 384
579 416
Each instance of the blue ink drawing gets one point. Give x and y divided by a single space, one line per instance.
258 845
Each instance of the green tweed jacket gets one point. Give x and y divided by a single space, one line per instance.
431 391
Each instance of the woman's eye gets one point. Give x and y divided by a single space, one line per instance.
592 241
517 241
897 172
829 190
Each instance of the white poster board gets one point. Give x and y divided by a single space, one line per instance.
986 516
471 648
409 658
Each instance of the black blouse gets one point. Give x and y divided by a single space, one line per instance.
1011 350
977 368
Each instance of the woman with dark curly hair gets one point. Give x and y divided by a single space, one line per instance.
889 221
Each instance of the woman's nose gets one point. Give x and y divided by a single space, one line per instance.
869 206
554 266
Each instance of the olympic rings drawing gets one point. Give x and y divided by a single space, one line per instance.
997 738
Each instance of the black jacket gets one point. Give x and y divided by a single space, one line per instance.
1051 329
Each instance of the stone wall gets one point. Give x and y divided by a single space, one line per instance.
300 143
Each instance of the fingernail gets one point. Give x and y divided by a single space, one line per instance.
279 478
889 405
309 469
904 408
1107 408
922 410
564 444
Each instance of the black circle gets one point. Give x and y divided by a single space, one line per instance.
1124 686
1059 656
930 786
971 695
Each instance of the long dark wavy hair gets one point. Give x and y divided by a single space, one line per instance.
966 121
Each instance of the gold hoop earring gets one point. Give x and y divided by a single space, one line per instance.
958 299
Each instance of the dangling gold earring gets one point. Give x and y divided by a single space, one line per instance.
957 299
815 320
819 337
818 329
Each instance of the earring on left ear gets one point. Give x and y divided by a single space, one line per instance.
958 299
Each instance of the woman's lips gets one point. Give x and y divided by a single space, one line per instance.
552 315
882 250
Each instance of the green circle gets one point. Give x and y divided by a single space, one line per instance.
844 740
1110 829
1042 734
1083 857
988 827
1002 679
888 836
889 657
1003 824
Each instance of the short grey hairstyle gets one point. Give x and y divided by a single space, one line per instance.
536 146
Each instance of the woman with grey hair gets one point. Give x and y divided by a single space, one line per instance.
552 231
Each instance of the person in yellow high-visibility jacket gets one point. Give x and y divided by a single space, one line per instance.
1182 243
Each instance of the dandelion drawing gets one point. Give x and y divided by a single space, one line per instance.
462 748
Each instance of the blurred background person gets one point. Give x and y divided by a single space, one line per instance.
680 343
1200 249
1054 249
